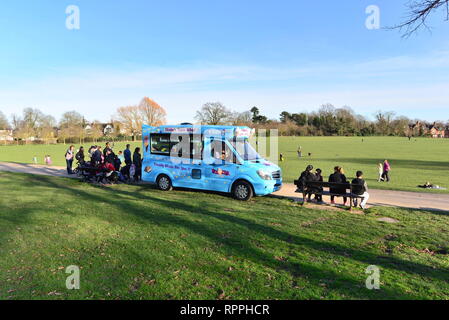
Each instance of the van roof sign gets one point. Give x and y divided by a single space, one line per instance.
209 130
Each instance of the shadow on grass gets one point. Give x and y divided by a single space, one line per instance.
399 163
242 247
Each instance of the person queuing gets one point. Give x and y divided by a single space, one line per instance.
69 155
338 177
106 149
360 188
95 158
80 156
109 156
127 155
137 161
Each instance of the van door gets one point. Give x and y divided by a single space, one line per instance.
186 159
222 165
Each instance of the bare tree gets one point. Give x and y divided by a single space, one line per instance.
96 131
241 118
213 113
383 121
418 13
4 124
72 125
152 113
46 129
131 119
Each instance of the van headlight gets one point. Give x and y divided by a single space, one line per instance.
264 175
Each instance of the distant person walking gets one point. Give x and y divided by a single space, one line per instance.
69 155
387 169
380 171
360 188
299 152
47 160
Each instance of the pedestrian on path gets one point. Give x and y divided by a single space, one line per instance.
69 155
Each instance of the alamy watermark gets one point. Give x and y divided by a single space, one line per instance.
372 22
373 280
73 280
72 21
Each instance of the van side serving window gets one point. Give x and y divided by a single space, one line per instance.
160 144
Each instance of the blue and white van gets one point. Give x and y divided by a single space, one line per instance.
216 158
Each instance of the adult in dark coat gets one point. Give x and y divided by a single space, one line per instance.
307 176
338 177
137 161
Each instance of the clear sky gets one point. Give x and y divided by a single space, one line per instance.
279 55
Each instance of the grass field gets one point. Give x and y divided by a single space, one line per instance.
413 162
135 242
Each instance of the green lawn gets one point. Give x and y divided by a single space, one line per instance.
135 242
413 162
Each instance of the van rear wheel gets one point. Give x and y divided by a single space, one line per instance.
164 183
242 191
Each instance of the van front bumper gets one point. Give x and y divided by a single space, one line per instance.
267 187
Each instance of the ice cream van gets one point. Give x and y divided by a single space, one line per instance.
216 158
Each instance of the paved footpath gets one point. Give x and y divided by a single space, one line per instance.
417 200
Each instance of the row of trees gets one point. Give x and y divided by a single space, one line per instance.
128 120
327 121
34 125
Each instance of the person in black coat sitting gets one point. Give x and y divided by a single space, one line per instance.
338 177
306 176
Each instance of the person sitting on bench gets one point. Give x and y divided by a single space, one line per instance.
306 176
360 188
338 177
319 178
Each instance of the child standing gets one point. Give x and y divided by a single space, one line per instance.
380 170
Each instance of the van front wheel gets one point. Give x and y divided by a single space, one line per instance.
242 191
164 183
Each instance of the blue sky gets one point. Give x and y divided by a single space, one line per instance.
278 55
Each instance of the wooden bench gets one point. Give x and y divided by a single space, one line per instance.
315 187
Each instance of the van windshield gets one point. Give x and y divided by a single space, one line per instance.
245 149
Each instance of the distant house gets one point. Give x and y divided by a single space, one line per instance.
6 135
418 129
437 132
107 128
